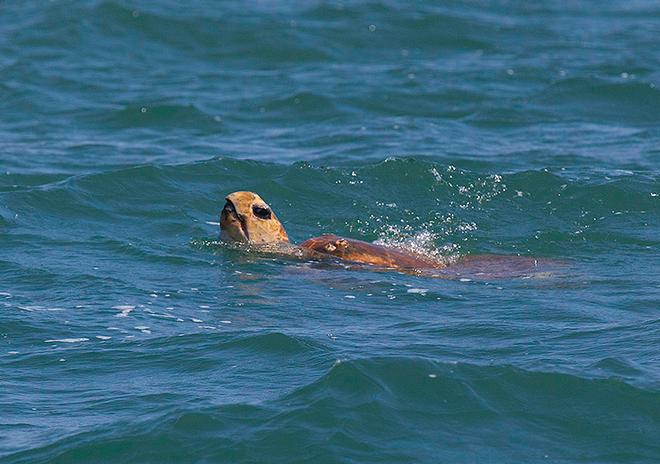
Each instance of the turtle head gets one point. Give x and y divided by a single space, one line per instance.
247 218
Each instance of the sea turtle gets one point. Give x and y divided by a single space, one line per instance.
247 218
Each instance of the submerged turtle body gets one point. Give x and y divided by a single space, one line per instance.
247 218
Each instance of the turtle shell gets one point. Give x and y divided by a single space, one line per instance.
363 252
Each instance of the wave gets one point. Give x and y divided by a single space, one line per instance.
290 34
396 200
5 220
632 101
449 128
305 103
271 343
158 116
210 35
389 406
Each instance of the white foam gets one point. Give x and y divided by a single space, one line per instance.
165 316
421 291
196 320
225 322
405 238
125 310
349 296
38 308
103 337
67 340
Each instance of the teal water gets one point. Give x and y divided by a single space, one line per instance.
129 334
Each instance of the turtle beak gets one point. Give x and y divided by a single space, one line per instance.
233 225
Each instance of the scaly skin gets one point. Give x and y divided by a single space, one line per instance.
247 218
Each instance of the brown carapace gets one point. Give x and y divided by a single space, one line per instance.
247 218
358 251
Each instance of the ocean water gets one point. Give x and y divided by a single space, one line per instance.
130 334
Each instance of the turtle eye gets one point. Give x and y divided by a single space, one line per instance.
261 212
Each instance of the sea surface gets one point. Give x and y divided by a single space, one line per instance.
130 334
